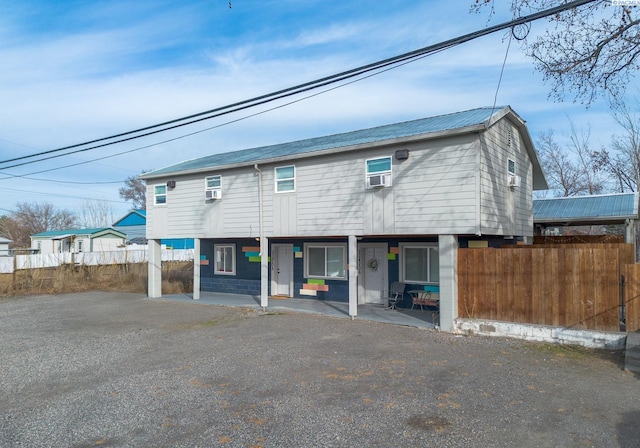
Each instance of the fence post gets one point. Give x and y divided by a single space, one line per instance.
13 273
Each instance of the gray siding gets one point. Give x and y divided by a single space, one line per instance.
452 185
437 189
504 210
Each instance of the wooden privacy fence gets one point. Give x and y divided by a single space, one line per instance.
632 296
576 286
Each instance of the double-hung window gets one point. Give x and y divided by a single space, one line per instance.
326 260
160 194
419 263
511 167
378 172
213 187
213 182
285 178
225 256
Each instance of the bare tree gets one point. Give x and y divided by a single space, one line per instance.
587 50
95 213
135 190
623 160
29 219
571 171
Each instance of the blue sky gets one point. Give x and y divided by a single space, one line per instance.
74 71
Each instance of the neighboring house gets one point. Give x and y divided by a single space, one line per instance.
342 217
134 224
78 240
4 247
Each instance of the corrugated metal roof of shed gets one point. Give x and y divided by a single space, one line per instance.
411 128
577 208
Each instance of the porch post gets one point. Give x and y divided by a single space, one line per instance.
448 258
353 276
196 269
264 272
155 269
630 234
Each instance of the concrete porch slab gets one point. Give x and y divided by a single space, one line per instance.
368 312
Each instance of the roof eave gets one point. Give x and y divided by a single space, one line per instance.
341 149
556 221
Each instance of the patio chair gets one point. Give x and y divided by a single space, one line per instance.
396 294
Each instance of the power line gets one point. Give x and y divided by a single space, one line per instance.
59 195
253 102
201 130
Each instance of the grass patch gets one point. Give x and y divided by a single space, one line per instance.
177 277
579 352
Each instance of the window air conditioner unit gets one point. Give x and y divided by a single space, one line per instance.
379 181
513 181
213 194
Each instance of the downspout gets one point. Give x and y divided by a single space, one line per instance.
260 209
478 186
264 262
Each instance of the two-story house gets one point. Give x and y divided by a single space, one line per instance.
341 217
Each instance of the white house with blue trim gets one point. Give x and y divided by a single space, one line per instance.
99 239
343 216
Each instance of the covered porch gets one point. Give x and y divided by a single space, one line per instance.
368 312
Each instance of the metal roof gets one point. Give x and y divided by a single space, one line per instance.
57 234
442 123
605 208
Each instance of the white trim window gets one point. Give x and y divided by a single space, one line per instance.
419 263
325 260
213 182
378 172
511 167
160 195
213 187
285 177
225 259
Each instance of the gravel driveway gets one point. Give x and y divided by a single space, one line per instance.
111 369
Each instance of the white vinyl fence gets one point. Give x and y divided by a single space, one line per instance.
8 264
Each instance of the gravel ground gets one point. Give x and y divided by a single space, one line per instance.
110 369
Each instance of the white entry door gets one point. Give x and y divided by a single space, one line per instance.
373 272
282 270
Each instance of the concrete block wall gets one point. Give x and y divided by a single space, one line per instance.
632 353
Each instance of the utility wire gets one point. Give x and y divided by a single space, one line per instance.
199 131
245 104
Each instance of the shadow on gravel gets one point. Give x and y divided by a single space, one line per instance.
627 429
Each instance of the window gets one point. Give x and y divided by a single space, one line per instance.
379 166
511 167
326 260
160 194
285 178
378 172
419 264
225 256
213 183
79 246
